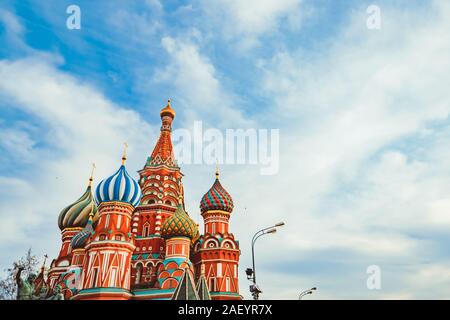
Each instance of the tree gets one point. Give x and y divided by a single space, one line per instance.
8 289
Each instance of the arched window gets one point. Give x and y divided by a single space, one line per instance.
146 230
138 274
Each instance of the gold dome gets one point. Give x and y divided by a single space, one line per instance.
167 111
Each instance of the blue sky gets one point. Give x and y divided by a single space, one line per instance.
363 117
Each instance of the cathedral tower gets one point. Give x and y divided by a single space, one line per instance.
217 250
143 245
107 266
180 231
161 185
71 221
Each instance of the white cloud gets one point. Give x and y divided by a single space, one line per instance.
351 177
11 22
17 143
246 21
13 28
78 126
364 167
197 85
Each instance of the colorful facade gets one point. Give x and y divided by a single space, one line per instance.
132 239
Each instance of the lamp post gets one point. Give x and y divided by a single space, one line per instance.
251 273
306 292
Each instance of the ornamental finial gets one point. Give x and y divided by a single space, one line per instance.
91 214
92 175
124 155
167 110
217 170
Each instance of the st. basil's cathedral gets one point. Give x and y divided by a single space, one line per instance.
133 239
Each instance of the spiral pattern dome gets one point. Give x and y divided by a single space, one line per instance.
119 187
180 225
76 215
79 240
217 198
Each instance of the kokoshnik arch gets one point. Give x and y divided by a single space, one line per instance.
134 240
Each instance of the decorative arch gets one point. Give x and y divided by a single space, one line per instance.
146 229
231 244
102 237
139 269
149 199
169 283
171 265
177 273
211 243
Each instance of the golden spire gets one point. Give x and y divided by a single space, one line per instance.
168 103
92 175
124 155
91 214
217 170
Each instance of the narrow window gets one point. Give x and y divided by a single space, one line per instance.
219 269
212 284
112 278
94 277
146 230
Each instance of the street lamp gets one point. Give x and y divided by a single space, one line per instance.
251 273
306 292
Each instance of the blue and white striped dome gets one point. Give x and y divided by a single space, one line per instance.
119 187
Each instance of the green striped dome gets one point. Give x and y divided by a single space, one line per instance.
76 215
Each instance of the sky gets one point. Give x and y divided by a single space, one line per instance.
362 114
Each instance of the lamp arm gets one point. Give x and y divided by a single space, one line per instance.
260 233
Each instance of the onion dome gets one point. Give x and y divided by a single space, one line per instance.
180 225
167 111
80 239
76 215
119 187
217 198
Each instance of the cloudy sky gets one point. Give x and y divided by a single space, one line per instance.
364 174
